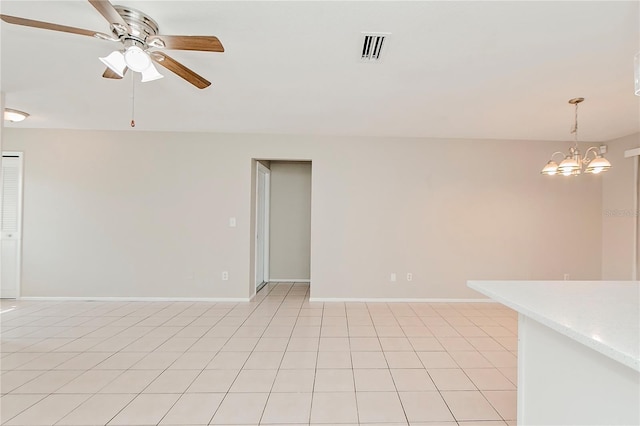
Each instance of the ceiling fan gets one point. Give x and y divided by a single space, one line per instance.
138 34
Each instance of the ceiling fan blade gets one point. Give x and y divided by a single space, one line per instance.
201 43
54 27
108 73
112 16
179 69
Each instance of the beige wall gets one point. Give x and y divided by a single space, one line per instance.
146 214
290 221
619 213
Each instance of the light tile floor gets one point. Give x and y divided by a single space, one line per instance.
279 360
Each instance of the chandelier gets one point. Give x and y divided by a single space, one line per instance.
574 163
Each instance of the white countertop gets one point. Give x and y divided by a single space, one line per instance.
603 315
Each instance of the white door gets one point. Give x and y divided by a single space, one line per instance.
636 272
263 176
636 269
11 224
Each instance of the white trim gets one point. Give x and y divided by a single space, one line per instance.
136 299
260 168
636 203
276 280
632 153
399 299
267 220
636 223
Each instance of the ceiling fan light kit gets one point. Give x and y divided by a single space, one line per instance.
133 58
574 163
138 33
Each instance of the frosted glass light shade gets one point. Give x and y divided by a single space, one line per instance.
137 59
550 169
568 165
150 74
598 165
14 116
115 62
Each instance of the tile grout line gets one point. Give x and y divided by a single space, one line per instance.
244 363
168 367
54 391
131 368
283 354
431 378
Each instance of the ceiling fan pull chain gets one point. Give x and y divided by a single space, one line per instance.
133 100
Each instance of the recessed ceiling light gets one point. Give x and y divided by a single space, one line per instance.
13 115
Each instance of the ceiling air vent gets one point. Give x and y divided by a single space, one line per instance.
372 46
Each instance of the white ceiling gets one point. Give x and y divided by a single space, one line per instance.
450 69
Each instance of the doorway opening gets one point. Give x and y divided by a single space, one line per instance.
282 222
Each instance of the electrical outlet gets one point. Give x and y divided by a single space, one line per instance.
393 277
566 277
409 276
225 276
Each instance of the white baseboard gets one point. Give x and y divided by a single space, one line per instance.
302 281
136 299
399 299
248 299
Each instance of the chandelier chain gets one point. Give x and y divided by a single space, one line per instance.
575 124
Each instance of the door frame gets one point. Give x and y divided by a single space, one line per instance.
635 154
18 266
259 282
